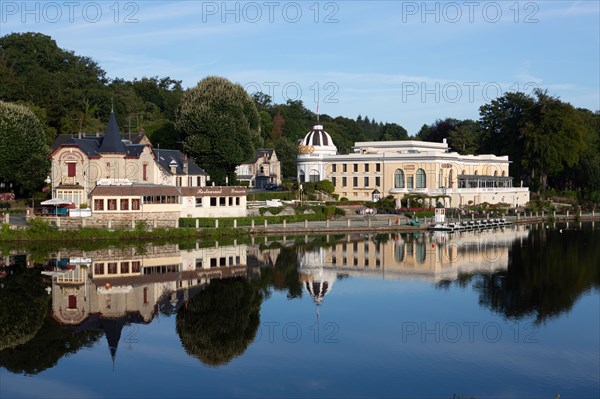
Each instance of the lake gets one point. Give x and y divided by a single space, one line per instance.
511 312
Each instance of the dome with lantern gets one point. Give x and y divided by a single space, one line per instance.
317 142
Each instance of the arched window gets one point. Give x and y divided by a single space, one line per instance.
475 173
399 178
302 177
314 176
399 251
420 252
495 173
421 179
503 174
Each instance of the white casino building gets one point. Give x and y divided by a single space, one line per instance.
400 168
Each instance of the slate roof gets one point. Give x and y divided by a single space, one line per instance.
165 157
260 153
112 138
135 189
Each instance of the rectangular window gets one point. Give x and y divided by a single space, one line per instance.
377 167
190 181
135 204
213 201
231 261
198 202
377 181
198 263
344 168
199 181
124 204
145 172
334 167
230 201
355 168
237 201
112 204
71 169
222 201
178 181
366 182
124 267
98 204
237 260
99 268
366 167
344 181
410 182
334 181
355 181
136 266
213 262
222 261
112 268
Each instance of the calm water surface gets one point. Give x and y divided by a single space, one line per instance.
502 313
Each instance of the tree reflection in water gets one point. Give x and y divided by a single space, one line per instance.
31 341
219 323
546 274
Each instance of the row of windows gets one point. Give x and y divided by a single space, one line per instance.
190 181
114 267
218 201
399 179
223 261
124 204
355 262
162 269
366 167
366 181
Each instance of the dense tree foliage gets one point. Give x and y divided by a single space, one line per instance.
219 323
23 150
221 126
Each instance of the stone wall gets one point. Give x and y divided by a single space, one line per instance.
118 221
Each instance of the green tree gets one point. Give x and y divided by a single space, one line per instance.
393 131
220 124
553 137
286 153
23 150
465 137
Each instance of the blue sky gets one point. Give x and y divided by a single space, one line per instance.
409 62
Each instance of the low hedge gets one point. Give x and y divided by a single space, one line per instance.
321 213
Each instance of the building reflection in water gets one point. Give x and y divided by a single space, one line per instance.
436 256
110 288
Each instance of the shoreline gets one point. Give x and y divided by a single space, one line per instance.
372 224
